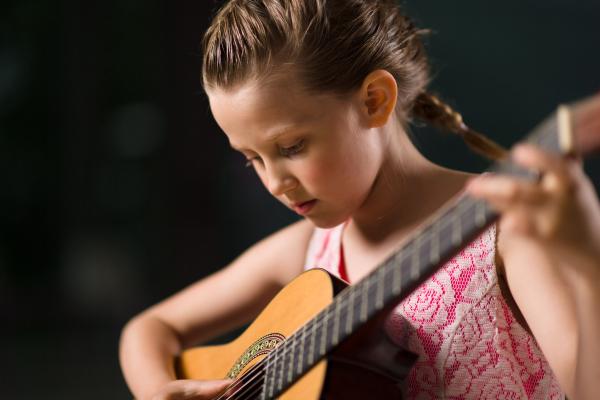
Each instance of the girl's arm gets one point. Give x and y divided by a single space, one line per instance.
224 300
550 244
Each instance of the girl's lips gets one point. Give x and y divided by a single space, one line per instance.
304 208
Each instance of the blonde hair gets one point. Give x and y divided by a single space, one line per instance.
333 45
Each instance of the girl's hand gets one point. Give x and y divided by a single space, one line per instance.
187 389
560 213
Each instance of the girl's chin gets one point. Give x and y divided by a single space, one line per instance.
325 222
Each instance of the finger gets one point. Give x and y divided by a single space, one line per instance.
585 121
503 191
555 169
209 389
188 389
518 221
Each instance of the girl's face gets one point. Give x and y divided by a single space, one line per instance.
314 153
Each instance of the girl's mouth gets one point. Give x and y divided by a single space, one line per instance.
304 208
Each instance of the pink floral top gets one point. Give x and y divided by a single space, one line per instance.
469 343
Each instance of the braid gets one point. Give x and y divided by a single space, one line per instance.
431 109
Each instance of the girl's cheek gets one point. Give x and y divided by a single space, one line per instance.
321 170
314 175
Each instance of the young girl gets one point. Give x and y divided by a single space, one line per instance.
318 95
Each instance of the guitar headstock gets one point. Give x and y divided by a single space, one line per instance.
584 124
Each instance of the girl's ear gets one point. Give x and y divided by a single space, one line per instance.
378 95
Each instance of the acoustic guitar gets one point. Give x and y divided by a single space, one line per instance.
322 339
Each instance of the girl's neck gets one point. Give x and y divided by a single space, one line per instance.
407 190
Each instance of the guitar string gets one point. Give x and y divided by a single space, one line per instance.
244 380
255 394
239 391
326 314
235 385
250 392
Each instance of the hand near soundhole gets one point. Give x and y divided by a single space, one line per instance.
188 389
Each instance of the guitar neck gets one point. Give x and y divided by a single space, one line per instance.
453 228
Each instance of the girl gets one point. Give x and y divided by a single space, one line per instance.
318 95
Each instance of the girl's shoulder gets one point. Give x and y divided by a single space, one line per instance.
284 250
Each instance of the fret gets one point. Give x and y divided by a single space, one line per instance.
480 211
445 228
269 380
291 364
264 393
468 217
547 134
414 264
456 229
350 320
462 206
279 371
311 353
434 252
364 286
322 348
379 295
397 275
424 249
272 387
336 324
301 358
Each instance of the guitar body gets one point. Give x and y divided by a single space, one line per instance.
367 365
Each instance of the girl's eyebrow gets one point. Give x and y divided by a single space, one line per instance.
273 136
282 131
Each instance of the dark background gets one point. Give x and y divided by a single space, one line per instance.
117 188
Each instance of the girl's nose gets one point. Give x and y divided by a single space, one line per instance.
280 182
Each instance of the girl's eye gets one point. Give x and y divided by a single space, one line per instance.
250 161
290 151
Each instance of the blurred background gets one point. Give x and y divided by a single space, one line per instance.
117 188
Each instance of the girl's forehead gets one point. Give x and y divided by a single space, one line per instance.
265 96
268 108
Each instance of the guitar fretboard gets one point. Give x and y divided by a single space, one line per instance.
419 258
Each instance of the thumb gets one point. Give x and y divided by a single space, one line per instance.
207 388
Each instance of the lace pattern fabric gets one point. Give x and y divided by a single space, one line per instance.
469 343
